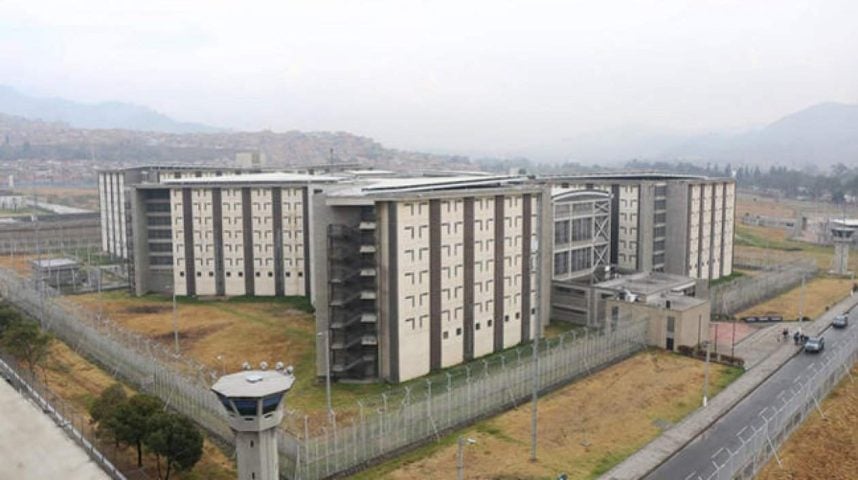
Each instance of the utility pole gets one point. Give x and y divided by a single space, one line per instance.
175 323
534 415
706 376
460 456
327 373
801 303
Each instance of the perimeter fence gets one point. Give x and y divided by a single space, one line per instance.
757 442
381 427
747 291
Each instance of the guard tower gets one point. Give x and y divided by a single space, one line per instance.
253 401
842 237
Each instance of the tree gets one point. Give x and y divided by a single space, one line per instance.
129 421
175 438
25 341
103 407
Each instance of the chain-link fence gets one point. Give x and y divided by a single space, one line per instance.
385 425
756 444
414 415
745 292
182 383
73 424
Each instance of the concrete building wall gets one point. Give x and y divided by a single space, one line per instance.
412 232
484 275
728 228
690 326
627 240
452 250
262 241
233 241
177 216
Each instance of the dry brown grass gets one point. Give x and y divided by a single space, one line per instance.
823 447
819 293
757 205
576 436
78 382
19 263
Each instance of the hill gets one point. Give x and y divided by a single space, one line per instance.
98 115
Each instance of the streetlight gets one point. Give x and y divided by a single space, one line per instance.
327 372
175 323
460 456
706 376
222 364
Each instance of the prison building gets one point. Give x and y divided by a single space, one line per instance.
114 188
689 216
413 275
232 235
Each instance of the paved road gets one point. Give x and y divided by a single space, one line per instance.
33 447
697 457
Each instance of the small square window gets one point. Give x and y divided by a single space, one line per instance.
458 332
240 274
258 274
288 274
300 274
517 315
446 335
211 274
477 326
270 274
533 311
181 274
199 274
489 323
506 318
228 274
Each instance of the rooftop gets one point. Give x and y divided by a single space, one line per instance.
55 263
648 283
253 383
632 176
255 178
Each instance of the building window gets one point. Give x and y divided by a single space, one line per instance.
458 332
561 263
582 229
561 232
446 335
489 323
477 326
671 324
581 259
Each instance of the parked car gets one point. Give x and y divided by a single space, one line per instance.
814 344
840 321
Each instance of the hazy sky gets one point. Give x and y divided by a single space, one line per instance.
473 77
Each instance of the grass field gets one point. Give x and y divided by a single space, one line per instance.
823 447
81 197
644 395
819 293
79 382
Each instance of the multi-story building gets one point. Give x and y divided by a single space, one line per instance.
417 274
114 187
246 234
651 214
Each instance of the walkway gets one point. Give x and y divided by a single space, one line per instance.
33 447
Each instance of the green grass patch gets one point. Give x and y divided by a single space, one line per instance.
729 278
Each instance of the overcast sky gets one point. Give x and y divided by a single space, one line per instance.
473 77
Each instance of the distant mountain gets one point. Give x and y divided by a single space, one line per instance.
821 135
106 115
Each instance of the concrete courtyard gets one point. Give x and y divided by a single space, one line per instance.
33 447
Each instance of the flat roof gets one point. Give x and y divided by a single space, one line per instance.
253 383
633 176
648 283
561 194
268 177
55 263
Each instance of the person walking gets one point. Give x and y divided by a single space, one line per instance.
796 337
786 334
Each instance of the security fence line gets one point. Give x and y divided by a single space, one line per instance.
74 425
745 292
760 443
143 363
386 425
400 421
